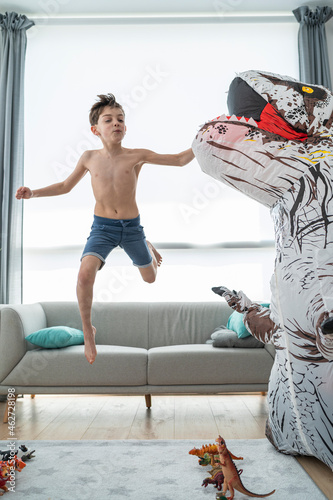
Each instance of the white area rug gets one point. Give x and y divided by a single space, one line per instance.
152 470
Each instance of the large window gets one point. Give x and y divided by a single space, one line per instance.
170 79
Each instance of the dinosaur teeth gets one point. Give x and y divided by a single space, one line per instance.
252 122
233 118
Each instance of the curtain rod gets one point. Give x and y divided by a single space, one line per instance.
167 18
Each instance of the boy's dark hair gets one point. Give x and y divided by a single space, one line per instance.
97 108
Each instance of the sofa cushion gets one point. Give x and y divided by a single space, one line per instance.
222 337
118 323
176 323
114 366
195 364
55 337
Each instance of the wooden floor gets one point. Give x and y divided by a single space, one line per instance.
171 417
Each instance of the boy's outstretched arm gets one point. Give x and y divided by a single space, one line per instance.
176 160
63 187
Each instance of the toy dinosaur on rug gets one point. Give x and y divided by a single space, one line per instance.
231 474
25 453
22 452
208 454
4 476
13 460
217 478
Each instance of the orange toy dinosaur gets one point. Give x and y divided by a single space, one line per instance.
4 476
207 449
212 451
231 474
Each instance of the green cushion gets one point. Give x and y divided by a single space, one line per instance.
235 323
55 337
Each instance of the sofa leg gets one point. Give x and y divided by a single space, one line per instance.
8 409
263 393
148 400
32 396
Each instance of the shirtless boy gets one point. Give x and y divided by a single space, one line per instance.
114 174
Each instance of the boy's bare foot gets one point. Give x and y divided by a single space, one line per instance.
157 255
90 350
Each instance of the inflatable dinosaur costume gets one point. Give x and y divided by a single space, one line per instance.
277 147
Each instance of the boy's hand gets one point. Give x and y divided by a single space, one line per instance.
24 193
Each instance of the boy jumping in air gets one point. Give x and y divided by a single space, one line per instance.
114 174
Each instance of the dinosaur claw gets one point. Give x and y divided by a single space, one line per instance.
221 290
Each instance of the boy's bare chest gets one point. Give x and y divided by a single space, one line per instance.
111 171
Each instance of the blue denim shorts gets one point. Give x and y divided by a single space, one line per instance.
107 234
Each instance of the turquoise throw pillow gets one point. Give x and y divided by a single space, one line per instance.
235 323
55 337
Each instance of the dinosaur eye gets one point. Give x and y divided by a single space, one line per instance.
308 90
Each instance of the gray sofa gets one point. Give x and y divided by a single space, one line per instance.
143 348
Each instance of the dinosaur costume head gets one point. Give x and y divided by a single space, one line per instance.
277 147
278 128
301 108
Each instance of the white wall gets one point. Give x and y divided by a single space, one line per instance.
171 79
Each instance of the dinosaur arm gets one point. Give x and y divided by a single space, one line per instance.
256 317
257 320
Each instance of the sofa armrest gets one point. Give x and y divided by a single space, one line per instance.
16 322
271 349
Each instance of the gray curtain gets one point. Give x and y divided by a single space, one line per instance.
13 42
312 45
